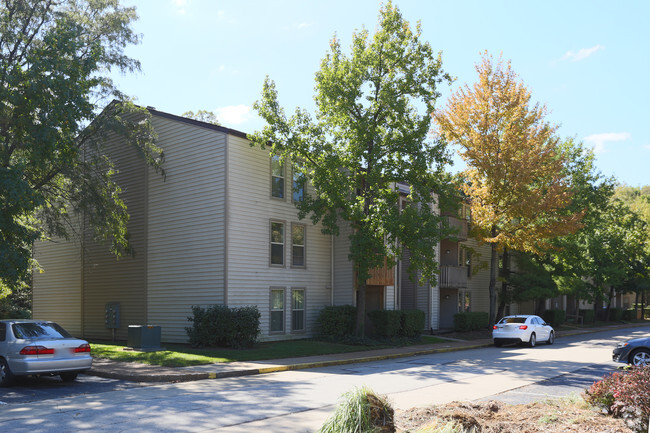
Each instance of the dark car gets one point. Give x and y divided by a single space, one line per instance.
40 347
635 352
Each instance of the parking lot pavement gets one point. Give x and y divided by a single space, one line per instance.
565 385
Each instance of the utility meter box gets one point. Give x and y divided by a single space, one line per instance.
144 337
112 315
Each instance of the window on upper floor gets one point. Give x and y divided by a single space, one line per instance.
298 186
277 177
277 310
298 310
298 245
277 243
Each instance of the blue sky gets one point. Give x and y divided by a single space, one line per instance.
588 61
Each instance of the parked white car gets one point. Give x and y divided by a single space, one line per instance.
522 329
39 347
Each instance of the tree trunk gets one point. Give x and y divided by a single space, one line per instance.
494 266
609 302
360 329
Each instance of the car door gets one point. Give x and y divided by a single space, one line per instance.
541 329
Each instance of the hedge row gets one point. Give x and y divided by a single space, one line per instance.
223 326
554 317
397 323
338 322
470 321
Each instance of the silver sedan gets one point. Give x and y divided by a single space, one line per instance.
38 347
522 329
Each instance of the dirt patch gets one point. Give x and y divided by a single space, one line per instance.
561 416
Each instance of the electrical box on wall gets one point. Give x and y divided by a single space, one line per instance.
113 315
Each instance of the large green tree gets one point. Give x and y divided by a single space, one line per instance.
370 131
55 64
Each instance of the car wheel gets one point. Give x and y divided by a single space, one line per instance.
68 377
640 357
6 376
551 338
533 340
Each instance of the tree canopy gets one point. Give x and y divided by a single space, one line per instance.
54 83
370 132
515 178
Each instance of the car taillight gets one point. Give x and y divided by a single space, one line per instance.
83 348
36 350
494 327
523 327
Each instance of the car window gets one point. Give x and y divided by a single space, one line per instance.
3 331
535 321
39 330
513 320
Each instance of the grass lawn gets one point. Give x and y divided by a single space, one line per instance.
180 355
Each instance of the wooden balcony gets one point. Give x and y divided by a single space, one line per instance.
460 227
453 277
383 276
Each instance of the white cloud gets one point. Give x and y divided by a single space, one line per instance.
179 6
582 53
598 141
234 114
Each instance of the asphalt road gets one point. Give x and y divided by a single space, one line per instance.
299 401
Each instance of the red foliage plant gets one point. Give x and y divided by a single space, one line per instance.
624 394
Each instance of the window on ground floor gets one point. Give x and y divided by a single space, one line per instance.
464 301
298 310
277 310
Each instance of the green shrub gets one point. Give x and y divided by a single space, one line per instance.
412 323
554 317
337 321
588 316
615 314
221 326
386 323
624 394
361 411
470 321
629 315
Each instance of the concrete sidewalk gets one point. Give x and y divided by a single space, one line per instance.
137 372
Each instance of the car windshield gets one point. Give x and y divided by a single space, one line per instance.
39 330
513 320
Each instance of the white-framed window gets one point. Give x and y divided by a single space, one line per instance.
464 301
276 313
298 185
298 243
277 177
276 248
298 310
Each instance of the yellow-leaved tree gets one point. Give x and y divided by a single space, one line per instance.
515 178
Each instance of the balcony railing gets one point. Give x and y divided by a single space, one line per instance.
460 226
453 277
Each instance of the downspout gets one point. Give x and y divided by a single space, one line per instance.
226 214
332 270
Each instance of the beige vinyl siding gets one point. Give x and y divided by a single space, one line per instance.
57 288
343 270
250 210
186 230
107 279
479 281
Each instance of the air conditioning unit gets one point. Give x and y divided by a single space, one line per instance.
144 337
